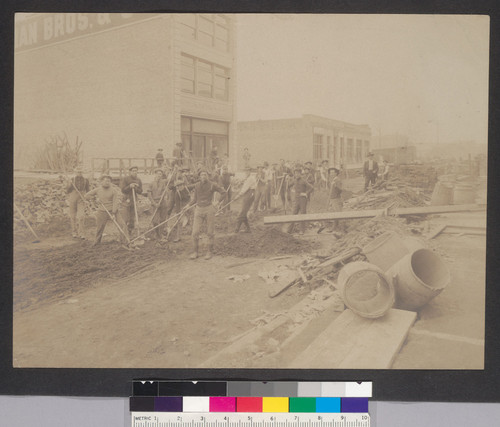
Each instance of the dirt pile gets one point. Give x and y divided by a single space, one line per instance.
54 273
262 241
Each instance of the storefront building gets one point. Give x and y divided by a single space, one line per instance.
309 138
125 84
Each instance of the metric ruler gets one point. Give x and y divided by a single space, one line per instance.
247 419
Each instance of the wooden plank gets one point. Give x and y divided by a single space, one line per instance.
354 342
285 280
280 219
436 232
325 216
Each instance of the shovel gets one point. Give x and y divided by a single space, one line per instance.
164 222
287 227
137 231
37 240
228 203
116 224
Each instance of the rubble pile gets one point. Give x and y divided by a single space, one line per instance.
262 241
40 202
404 197
43 202
421 176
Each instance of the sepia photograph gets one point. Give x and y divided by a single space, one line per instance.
250 191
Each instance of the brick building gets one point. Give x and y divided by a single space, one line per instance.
310 137
125 84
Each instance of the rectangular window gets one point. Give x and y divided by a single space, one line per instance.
187 74
203 78
359 150
207 28
221 83
221 37
199 136
328 147
350 151
335 152
188 25
342 150
317 147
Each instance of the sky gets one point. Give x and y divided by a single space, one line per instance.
424 76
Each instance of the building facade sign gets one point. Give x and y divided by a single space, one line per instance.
48 28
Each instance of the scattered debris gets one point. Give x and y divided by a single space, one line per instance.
239 278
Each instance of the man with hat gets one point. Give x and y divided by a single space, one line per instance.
225 182
324 172
247 192
309 177
204 212
159 158
76 188
178 154
108 196
302 191
335 193
370 170
129 183
179 194
260 179
158 200
283 172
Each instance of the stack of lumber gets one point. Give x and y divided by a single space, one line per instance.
421 176
404 197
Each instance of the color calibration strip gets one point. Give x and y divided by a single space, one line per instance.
208 404
252 388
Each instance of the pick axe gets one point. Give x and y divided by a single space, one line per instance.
37 240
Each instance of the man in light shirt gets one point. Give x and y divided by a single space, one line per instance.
370 170
247 193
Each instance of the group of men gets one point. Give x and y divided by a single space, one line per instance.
176 189
183 158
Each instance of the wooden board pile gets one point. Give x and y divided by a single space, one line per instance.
322 268
402 197
421 176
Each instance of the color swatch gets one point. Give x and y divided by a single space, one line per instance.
253 388
250 396
268 404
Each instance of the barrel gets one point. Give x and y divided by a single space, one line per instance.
365 289
385 250
418 278
464 193
442 194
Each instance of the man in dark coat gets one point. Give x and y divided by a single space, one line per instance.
129 183
370 171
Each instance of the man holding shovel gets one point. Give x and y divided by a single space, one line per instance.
76 188
131 186
108 198
205 212
158 200
248 193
